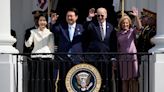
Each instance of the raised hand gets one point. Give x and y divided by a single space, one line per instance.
54 17
91 13
134 11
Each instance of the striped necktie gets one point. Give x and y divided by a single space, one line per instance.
102 31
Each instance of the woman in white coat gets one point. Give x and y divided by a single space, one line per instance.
42 37
41 72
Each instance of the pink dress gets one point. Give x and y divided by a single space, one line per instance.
128 64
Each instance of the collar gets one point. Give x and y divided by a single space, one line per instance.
104 23
42 31
73 25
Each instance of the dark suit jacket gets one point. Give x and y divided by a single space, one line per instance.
92 41
64 44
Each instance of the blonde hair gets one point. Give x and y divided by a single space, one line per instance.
122 19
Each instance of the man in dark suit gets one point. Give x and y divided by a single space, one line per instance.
69 34
69 41
94 31
99 36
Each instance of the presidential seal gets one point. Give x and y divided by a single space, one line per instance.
83 78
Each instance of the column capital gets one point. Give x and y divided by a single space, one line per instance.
6 43
159 43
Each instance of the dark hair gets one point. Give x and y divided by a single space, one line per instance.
39 11
41 15
73 10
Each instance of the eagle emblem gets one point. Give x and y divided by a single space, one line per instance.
83 80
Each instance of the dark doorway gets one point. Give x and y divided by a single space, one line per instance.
83 6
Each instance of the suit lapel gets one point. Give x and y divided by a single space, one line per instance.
97 27
77 30
65 31
107 31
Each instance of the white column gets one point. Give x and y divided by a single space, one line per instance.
159 38
6 41
157 60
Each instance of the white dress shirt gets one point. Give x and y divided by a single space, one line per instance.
71 29
43 41
104 27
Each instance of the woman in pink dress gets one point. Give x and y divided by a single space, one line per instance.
128 64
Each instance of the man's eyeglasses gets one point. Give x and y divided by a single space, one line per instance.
100 15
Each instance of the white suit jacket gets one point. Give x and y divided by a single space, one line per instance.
43 41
